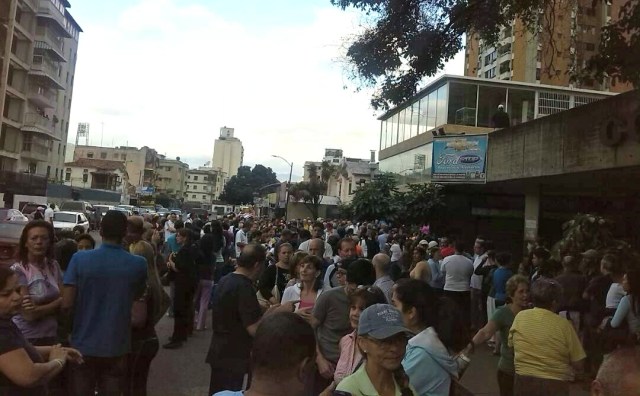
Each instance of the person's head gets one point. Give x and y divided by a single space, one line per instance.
459 247
381 264
317 229
310 270
518 290
10 296
359 273
546 293
246 226
422 308
135 226
419 254
435 254
178 225
361 299
619 374
502 258
52 206
346 248
631 283
63 250
590 258
184 236
539 256
252 259
570 264
610 265
173 217
500 107
291 367
382 337
316 247
294 266
286 235
479 246
444 242
36 241
284 252
304 235
85 242
113 226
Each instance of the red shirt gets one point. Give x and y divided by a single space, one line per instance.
447 251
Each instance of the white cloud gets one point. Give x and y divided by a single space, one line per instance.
169 76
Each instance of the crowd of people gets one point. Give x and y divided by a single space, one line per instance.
306 307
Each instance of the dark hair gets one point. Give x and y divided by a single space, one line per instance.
5 274
23 252
459 246
250 255
63 251
503 258
421 250
318 224
178 224
544 292
225 226
345 240
186 233
361 272
633 278
612 264
541 253
440 313
269 358
371 295
304 234
88 238
114 225
316 262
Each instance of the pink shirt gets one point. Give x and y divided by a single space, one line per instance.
350 357
306 304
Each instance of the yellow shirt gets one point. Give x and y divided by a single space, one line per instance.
545 345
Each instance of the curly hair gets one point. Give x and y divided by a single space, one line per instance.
23 251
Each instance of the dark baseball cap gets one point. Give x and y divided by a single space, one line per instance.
381 321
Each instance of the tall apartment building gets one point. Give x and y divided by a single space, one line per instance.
561 48
38 53
228 153
203 185
172 174
141 164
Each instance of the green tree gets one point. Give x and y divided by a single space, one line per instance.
420 203
310 192
409 40
375 200
327 170
240 188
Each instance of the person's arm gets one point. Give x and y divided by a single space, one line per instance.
31 312
621 312
18 367
485 333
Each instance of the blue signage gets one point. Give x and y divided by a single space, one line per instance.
459 159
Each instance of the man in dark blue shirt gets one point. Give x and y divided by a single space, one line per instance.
100 287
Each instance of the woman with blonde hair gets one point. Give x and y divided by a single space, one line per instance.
146 313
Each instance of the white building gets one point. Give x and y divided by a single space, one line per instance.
203 185
228 153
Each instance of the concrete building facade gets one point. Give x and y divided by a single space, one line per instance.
172 174
569 36
38 53
228 153
203 185
98 174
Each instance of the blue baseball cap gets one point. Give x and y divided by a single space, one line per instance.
381 321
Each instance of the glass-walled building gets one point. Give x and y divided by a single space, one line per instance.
463 105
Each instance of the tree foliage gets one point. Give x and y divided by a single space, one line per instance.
310 192
381 200
240 189
409 40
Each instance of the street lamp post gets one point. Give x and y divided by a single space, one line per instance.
286 205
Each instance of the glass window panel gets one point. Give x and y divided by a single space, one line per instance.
424 102
415 119
413 166
441 115
431 113
383 135
394 129
521 105
401 125
462 104
488 100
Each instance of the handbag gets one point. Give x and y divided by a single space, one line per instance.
139 313
275 292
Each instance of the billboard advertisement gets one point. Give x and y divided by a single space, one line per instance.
459 159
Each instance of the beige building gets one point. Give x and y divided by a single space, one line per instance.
98 174
351 174
203 185
38 53
141 164
228 153
545 58
172 174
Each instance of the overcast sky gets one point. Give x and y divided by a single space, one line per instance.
169 73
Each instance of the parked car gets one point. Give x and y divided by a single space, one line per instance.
69 221
103 209
10 232
30 208
81 207
12 215
126 211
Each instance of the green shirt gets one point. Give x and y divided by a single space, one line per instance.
503 317
359 384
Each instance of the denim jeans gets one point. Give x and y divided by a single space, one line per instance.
203 294
104 374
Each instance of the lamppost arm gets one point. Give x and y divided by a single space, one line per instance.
286 207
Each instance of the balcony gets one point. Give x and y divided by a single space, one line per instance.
48 40
35 149
34 122
47 10
47 70
42 97
32 4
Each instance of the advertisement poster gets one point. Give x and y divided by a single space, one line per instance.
459 159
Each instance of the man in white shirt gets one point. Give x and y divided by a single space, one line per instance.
457 270
346 249
478 303
242 238
317 232
48 213
169 227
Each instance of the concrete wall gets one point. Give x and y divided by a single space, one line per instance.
568 142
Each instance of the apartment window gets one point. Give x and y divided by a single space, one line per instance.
193 196
48 170
116 155
204 197
103 155
538 72
124 157
89 155
195 186
188 176
167 168
67 176
64 150
58 148
195 178
85 178
56 174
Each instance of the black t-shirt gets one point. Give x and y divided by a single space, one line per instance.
11 339
268 280
235 307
